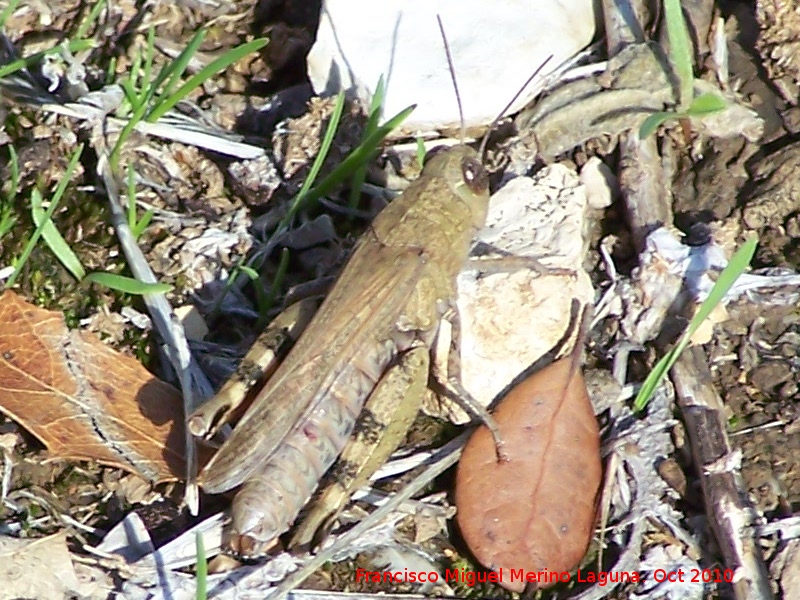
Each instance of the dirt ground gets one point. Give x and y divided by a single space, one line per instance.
717 186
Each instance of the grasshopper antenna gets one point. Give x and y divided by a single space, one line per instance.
485 140
453 77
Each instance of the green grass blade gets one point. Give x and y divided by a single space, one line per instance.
53 238
50 233
375 113
90 19
269 300
202 567
308 193
376 104
8 217
7 221
173 71
217 65
111 71
131 95
13 162
730 273
21 63
131 197
125 133
138 229
251 273
680 51
358 156
705 104
327 142
37 233
136 81
127 285
137 225
330 133
12 6
653 122
421 152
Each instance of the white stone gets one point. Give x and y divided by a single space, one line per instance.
496 46
510 319
600 182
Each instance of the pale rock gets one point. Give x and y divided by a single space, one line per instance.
496 46
786 569
510 319
192 321
600 182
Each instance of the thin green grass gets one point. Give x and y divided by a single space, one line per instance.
202 567
374 116
302 197
251 266
46 216
137 225
171 98
90 19
150 98
737 265
358 156
702 105
47 231
58 245
421 152
77 44
127 285
267 300
680 51
22 63
7 11
688 106
8 216
309 192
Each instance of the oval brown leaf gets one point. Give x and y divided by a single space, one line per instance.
536 511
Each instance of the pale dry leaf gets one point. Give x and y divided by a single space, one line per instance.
536 510
36 568
84 400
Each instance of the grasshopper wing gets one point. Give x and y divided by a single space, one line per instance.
356 320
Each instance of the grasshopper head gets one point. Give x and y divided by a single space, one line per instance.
461 168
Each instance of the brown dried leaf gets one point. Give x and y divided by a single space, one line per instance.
536 511
82 399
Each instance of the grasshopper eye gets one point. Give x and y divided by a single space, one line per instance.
475 176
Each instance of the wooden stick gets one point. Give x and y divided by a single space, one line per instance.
729 513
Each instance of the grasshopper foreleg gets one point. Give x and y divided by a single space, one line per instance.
445 379
259 362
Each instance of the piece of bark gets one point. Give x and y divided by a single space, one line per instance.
730 515
641 176
641 181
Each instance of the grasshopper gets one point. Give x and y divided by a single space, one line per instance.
369 342
373 331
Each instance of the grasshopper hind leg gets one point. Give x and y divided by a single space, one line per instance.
388 414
